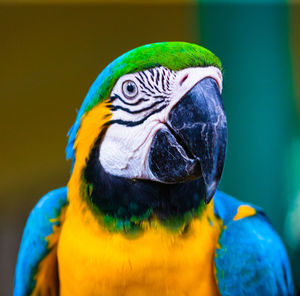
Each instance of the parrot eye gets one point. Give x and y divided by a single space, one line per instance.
130 89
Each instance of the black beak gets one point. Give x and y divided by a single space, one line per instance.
193 144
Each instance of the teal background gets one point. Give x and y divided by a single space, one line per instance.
253 43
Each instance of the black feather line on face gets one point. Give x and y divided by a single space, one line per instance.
115 96
124 198
114 108
135 123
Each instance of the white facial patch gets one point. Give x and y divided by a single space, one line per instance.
141 103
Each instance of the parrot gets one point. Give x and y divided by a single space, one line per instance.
141 213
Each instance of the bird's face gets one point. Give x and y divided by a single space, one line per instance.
150 136
167 127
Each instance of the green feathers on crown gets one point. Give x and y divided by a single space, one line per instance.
173 55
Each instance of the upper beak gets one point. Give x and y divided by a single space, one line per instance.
193 144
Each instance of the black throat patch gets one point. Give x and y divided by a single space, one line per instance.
136 200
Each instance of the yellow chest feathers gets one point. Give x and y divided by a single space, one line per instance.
93 261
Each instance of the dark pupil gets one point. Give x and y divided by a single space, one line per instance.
130 87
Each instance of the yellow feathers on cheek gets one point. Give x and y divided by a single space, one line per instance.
92 124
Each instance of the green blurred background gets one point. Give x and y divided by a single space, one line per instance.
51 53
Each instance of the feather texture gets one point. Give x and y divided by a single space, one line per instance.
250 258
36 244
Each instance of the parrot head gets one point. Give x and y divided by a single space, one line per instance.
151 132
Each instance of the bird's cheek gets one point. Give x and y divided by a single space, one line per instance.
124 150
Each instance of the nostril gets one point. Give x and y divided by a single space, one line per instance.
184 79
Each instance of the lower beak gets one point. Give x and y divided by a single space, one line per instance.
193 144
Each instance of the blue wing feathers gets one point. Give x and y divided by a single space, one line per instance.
34 246
251 259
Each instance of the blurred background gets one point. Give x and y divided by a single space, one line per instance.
51 52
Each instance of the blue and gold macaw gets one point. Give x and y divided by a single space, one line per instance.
140 214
